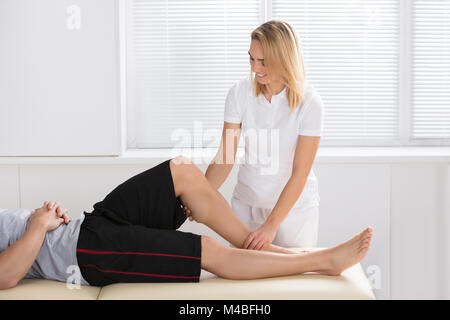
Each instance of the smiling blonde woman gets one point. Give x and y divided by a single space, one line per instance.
275 103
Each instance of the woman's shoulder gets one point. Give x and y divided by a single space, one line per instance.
310 95
242 86
309 91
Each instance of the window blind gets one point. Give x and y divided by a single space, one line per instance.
182 58
431 70
351 52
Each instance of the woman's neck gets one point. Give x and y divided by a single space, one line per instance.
274 88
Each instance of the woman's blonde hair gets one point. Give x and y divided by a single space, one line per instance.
282 54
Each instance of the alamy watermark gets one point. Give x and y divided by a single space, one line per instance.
74 279
373 273
262 146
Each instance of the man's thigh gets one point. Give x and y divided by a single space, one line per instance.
109 253
147 199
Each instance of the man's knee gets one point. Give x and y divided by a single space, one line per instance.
212 253
185 169
178 160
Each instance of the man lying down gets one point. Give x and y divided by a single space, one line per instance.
131 236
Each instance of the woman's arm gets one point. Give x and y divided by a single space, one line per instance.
305 154
223 162
17 259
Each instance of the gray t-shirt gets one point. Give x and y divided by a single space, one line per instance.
57 258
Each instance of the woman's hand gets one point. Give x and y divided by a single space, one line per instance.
261 238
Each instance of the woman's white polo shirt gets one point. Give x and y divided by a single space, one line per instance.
270 133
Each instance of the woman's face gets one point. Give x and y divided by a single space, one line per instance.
256 56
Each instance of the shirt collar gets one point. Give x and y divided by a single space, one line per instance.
282 94
279 96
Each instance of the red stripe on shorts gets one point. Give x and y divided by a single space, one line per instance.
137 253
137 273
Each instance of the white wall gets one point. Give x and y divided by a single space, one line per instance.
419 224
407 205
59 84
354 196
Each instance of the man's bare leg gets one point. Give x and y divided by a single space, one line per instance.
207 205
233 263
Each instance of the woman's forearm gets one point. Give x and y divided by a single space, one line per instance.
16 260
217 173
287 199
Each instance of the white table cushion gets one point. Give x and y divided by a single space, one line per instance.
42 289
352 284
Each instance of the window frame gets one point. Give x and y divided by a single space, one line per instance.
404 129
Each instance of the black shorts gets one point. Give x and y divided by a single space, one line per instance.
131 235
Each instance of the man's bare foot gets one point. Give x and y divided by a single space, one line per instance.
346 254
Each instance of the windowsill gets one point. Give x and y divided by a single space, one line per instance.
203 156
